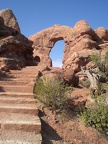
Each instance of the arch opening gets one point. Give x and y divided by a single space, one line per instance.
57 54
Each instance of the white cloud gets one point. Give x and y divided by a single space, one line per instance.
57 63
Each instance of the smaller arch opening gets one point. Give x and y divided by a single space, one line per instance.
37 60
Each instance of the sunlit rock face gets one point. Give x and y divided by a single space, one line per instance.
15 49
81 41
9 19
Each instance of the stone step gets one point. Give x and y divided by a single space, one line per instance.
19 109
11 88
24 125
25 71
18 79
17 142
16 100
18 82
30 67
14 142
19 121
17 95
17 117
19 137
19 75
18 104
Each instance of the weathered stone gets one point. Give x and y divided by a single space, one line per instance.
1 21
9 19
15 49
80 43
70 77
53 72
102 33
82 27
44 41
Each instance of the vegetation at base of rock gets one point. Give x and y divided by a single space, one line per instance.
97 114
85 83
52 92
101 63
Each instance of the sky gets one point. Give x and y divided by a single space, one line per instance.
36 15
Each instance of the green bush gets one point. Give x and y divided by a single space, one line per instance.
95 59
52 92
102 65
96 115
85 83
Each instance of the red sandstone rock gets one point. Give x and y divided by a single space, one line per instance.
80 43
15 49
102 33
53 72
82 27
70 77
9 19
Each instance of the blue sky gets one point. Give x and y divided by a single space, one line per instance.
36 15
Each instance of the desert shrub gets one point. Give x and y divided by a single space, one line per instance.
96 115
95 59
52 92
101 63
85 83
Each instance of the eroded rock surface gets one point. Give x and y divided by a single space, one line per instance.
15 49
81 41
9 19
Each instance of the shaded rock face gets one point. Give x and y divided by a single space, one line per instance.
81 41
15 49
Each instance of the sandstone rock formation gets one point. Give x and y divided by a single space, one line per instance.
9 19
15 49
81 41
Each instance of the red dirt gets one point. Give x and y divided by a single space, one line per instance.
59 130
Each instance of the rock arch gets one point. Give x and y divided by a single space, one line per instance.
45 40
81 41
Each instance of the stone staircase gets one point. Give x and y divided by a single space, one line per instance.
19 121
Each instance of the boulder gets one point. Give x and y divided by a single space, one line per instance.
15 49
9 19
70 77
102 33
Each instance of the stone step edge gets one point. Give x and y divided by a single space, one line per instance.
28 126
17 100
13 142
22 110
18 79
17 94
16 86
8 141
33 122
